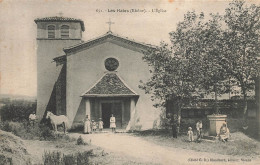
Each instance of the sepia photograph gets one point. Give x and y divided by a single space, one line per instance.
129 82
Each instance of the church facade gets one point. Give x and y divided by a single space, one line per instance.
98 77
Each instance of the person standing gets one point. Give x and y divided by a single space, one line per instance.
113 123
94 126
199 129
100 124
87 123
175 126
32 119
190 134
174 130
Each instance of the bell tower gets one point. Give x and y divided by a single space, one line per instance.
53 34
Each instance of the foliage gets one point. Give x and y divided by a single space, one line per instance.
199 41
5 160
50 158
171 77
241 44
25 131
206 55
81 158
80 141
17 110
12 150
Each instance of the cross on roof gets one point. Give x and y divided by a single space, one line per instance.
109 24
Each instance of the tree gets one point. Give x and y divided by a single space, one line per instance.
200 41
170 80
241 45
205 54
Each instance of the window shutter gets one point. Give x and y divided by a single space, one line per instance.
51 31
64 31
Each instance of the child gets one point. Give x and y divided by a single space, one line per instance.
94 126
190 134
100 124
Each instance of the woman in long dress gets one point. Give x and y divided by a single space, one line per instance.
87 123
113 123
100 124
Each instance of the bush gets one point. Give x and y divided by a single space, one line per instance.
25 131
69 159
46 133
5 160
57 158
50 158
80 141
12 150
17 110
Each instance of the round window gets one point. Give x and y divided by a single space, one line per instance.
111 64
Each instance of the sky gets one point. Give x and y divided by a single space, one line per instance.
18 68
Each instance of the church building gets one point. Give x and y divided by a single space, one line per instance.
98 77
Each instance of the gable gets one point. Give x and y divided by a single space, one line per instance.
109 85
109 37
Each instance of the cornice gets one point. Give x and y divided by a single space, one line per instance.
108 37
58 39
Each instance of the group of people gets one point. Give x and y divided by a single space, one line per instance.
224 133
92 126
198 130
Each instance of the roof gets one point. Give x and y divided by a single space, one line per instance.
109 36
60 19
110 85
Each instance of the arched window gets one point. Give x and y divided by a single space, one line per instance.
65 33
51 31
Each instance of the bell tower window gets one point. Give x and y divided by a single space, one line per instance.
65 31
51 31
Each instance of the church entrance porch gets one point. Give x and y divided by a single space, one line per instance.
110 95
100 107
109 108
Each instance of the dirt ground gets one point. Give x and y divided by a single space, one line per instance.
147 151
37 148
124 148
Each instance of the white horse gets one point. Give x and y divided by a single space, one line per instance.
57 120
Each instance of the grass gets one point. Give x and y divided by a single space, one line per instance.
57 158
36 132
12 150
241 145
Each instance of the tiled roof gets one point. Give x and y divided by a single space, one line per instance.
110 85
60 19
